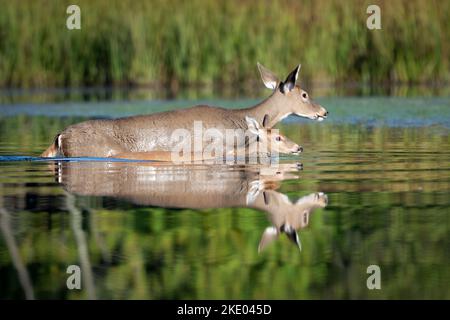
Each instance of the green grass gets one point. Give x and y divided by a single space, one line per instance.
177 43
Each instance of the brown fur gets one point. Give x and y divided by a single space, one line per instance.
150 133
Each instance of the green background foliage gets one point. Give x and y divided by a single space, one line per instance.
217 43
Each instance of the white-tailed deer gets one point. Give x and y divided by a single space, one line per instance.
107 138
260 140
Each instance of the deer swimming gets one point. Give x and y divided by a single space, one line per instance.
144 133
260 141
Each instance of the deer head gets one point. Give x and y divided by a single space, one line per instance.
289 97
275 141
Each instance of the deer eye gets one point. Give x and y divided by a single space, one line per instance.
278 138
304 95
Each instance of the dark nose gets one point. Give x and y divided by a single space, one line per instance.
326 113
300 149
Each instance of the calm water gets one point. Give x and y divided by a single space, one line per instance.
372 187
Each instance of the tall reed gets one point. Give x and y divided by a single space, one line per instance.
218 42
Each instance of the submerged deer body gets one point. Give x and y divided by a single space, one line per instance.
108 138
260 140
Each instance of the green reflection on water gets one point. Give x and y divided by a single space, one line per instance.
388 205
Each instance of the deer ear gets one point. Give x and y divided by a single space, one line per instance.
293 236
269 235
266 121
252 124
270 80
290 81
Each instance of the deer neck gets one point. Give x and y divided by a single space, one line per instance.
272 108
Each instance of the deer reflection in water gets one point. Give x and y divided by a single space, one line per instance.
173 186
198 187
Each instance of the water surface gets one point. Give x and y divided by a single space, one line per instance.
372 187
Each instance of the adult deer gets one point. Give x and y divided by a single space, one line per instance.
107 138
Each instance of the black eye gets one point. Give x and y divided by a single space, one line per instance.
278 138
304 95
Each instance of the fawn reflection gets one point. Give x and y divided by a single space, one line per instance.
199 187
